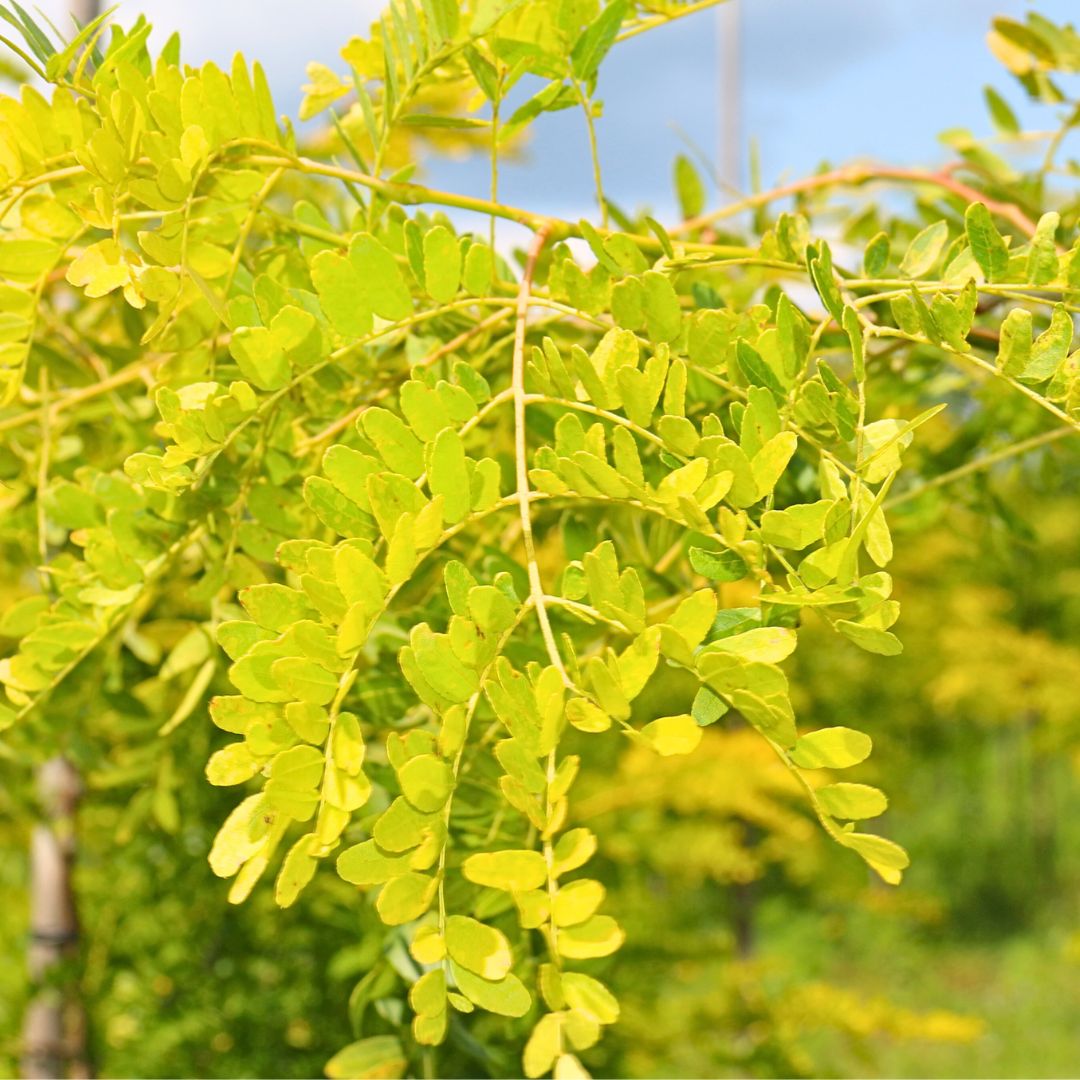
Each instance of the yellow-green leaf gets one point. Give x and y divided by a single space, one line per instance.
831 748
512 871
673 734
480 948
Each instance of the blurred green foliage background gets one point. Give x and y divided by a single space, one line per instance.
755 947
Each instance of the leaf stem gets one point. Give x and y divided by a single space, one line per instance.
521 463
594 149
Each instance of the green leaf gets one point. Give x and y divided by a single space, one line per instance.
442 264
276 607
1050 348
505 997
59 63
260 357
870 638
365 864
428 994
769 463
305 680
638 661
20 617
831 748
718 565
478 273
322 91
380 278
757 372
233 764
297 869
770 713
689 188
406 898
543 1047
987 245
101 268
923 252
671 735
597 38
298 769
378 1058
590 996
426 781
708 707
824 279
599 936
448 475
575 848
481 949
1000 112
334 509
852 802
341 294
887 858
512 871
397 445
401 826
853 329
876 256
1014 348
661 235
48 217
764 644
663 313
487 13
576 902
240 837
797 526
1042 265
585 716
694 616
442 669
359 579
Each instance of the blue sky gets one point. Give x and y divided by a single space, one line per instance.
821 79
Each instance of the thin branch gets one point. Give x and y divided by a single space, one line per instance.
853 175
408 194
978 464
536 588
140 370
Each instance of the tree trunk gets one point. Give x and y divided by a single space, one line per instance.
54 1030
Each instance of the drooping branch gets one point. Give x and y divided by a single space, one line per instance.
521 463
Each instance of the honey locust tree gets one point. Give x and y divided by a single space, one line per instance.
286 430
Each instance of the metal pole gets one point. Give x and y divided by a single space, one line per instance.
85 10
729 50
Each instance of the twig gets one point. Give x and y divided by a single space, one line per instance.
518 385
978 464
860 174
